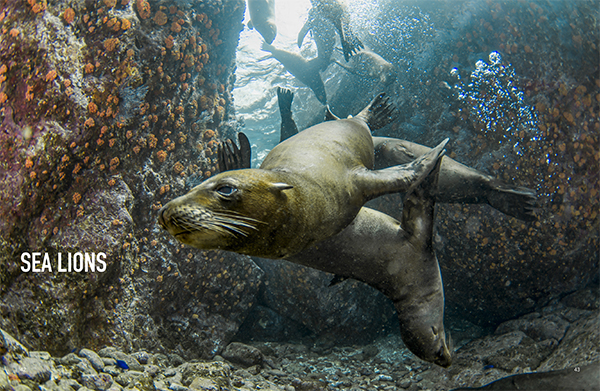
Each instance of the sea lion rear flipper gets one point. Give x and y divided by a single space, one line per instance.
515 201
418 208
288 126
379 113
230 157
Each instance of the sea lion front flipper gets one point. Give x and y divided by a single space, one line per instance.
402 178
379 113
350 42
518 202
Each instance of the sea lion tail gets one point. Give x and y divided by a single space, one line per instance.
515 201
379 113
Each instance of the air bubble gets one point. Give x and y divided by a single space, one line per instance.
495 58
494 102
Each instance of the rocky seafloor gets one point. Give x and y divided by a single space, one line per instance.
563 335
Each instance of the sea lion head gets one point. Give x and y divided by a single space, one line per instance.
423 334
268 31
234 210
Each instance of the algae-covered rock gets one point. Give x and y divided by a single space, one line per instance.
107 110
216 371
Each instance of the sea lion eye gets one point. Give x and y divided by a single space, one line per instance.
226 191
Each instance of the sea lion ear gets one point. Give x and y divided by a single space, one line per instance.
280 186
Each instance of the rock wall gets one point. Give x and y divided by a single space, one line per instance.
109 109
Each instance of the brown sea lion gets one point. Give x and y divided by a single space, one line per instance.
395 258
308 188
323 33
307 71
580 378
371 65
262 18
337 14
458 183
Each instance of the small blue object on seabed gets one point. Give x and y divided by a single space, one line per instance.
122 364
489 366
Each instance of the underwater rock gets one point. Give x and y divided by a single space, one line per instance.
10 348
348 312
536 327
117 355
34 369
218 372
93 358
106 110
578 347
245 355
100 382
264 324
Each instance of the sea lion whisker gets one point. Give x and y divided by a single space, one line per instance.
230 229
233 222
237 216
224 229
189 224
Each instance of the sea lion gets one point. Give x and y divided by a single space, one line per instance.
323 33
262 18
307 189
458 183
586 377
369 64
337 14
395 258
307 71
398 260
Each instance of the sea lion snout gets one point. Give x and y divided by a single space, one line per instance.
178 219
427 342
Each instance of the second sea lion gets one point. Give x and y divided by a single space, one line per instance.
262 18
307 71
338 15
395 258
458 183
